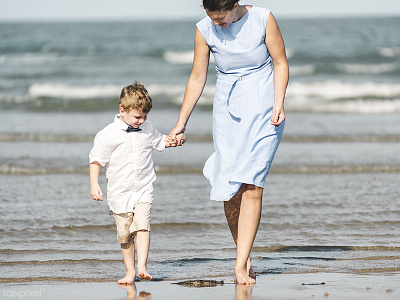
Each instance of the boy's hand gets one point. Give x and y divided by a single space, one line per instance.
170 141
96 193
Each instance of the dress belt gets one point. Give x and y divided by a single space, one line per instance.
233 79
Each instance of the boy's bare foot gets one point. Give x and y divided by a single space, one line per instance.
144 275
128 279
241 277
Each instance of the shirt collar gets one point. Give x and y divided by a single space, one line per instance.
119 123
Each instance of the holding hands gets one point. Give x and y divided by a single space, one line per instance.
175 140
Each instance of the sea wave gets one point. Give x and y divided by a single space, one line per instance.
57 262
389 51
155 226
186 57
182 57
31 59
9 169
73 92
316 96
72 138
302 70
45 138
315 248
347 97
366 69
63 91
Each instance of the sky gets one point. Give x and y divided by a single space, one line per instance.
49 10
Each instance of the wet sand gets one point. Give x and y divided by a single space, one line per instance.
280 286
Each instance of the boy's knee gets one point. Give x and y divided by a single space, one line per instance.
251 191
127 245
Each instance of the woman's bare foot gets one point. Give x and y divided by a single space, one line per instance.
249 269
241 277
143 274
128 279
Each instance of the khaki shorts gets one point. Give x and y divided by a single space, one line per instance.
129 223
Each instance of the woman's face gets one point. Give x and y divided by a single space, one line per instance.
223 18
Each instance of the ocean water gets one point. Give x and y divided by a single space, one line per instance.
332 199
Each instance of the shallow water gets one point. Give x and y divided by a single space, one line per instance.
311 222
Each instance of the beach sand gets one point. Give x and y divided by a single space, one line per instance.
274 286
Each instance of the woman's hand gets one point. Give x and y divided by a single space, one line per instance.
179 129
278 114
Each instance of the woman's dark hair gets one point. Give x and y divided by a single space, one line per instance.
219 5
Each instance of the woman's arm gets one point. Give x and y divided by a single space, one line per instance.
276 48
196 82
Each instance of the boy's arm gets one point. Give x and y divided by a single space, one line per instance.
95 189
179 141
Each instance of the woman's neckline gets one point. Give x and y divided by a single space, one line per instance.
247 8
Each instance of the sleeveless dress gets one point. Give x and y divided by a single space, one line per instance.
245 142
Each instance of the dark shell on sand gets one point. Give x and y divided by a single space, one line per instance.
200 283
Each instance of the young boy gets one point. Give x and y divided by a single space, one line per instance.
124 149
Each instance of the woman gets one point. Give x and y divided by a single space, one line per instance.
248 114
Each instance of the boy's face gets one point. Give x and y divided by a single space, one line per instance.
133 118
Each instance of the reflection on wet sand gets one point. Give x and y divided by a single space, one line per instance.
131 292
243 292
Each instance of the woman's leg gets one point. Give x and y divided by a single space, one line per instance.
232 212
249 220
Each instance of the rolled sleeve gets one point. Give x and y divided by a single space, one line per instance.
101 151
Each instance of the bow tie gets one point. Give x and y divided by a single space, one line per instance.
131 128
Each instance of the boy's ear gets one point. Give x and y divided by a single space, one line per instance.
121 110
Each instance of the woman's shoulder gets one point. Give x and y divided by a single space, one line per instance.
259 10
204 26
204 23
260 14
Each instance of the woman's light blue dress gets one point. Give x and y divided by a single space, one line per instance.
245 142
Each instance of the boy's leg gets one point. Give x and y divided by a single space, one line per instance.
232 211
128 254
141 226
123 222
142 248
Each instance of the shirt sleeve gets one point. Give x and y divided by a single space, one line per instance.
101 151
158 139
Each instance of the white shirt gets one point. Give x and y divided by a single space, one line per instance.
127 159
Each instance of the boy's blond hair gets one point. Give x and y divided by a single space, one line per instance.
136 97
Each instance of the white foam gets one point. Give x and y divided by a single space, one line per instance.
186 57
73 92
360 106
302 70
289 53
366 69
182 57
327 96
30 59
388 51
64 91
331 90
177 92
345 97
